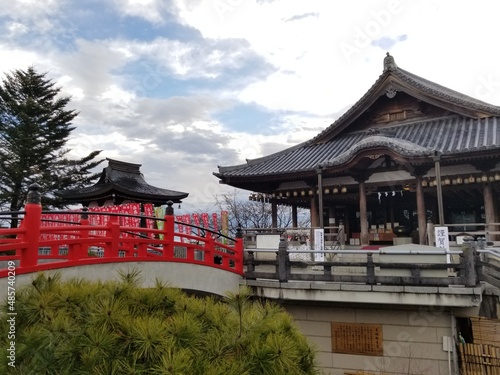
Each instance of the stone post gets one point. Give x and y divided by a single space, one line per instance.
341 235
468 249
430 233
282 261
370 269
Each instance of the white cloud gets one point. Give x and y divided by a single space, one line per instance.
330 52
17 58
150 10
116 95
29 9
15 29
154 100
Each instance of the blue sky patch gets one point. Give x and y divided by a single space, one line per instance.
249 118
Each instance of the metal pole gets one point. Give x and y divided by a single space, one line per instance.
437 167
320 196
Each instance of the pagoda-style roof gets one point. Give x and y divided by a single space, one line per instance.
402 114
121 181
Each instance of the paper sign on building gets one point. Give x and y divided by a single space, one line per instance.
319 245
442 240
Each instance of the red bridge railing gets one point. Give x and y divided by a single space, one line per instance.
35 247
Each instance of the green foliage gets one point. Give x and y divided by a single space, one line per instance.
84 327
34 129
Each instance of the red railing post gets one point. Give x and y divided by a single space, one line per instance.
238 251
83 248
114 237
32 222
168 231
209 248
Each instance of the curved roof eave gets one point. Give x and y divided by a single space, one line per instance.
401 147
108 188
250 162
159 194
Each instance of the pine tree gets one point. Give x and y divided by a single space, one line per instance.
34 129
117 327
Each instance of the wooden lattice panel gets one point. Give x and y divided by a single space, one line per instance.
479 359
485 331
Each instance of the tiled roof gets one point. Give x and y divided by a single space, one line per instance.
126 180
400 79
472 127
452 135
445 93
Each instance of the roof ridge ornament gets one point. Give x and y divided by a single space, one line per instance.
389 133
389 63
391 91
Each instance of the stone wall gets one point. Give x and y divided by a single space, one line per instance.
412 339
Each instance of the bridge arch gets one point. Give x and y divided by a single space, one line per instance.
198 259
194 278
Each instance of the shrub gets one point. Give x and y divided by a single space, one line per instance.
85 327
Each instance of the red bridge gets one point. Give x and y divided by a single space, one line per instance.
39 246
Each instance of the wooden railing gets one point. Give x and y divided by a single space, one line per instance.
34 247
488 231
466 267
491 266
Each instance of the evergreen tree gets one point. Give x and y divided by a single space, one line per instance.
86 327
34 128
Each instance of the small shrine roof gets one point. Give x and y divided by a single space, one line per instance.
122 181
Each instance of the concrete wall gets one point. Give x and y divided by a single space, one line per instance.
412 339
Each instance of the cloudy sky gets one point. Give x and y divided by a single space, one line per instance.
183 86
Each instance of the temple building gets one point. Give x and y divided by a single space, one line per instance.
121 182
408 151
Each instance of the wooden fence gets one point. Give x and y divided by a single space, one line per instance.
479 359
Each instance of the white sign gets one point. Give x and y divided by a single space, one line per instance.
267 241
442 240
319 245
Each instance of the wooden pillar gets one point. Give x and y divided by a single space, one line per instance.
421 212
320 197
489 210
495 215
439 191
391 212
363 215
314 218
314 211
274 214
295 221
